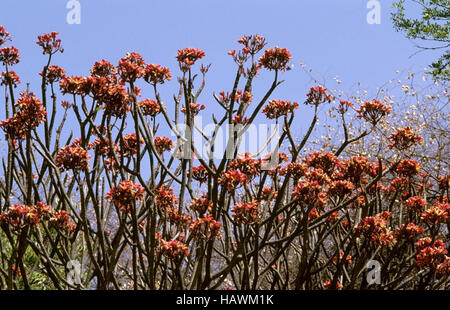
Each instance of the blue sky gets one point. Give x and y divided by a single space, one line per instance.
331 37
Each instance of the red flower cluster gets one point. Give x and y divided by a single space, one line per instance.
429 253
275 59
104 69
344 105
310 193
373 111
177 217
150 107
415 203
246 213
188 56
54 74
21 216
409 232
252 44
444 182
116 100
404 138
200 174
247 165
30 114
205 227
125 195
295 170
9 56
374 229
277 108
50 43
165 198
163 144
340 188
61 220
8 77
72 157
231 179
408 168
355 168
327 285
129 144
201 205
318 95
443 269
325 161
436 214
348 259
156 74
4 35
172 249
131 67
195 108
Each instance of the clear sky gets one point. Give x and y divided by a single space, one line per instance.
331 36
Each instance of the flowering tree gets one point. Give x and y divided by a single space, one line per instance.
137 210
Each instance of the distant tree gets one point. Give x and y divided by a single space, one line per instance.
433 26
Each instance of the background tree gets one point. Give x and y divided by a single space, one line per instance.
433 25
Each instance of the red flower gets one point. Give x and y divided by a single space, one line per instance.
200 174
327 285
21 216
30 114
131 67
163 144
72 157
409 232
443 269
416 203
275 59
61 220
436 214
156 74
340 188
188 56
325 161
277 108
318 95
246 213
252 44
129 144
178 218
4 35
125 195
247 165
104 69
49 43
54 74
296 170
8 77
344 105
348 259
195 108
444 182
116 100
9 56
408 168
373 111
355 169
429 253
403 139
310 193
150 107
172 249
165 198
73 85
205 227
231 179
374 229
201 204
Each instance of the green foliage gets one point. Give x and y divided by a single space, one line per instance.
432 25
